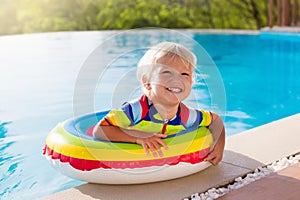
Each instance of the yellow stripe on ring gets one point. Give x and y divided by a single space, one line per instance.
128 155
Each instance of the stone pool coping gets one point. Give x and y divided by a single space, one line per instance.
283 184
244 152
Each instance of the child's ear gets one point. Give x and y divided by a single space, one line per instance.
146 83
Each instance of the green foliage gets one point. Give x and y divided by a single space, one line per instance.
27 16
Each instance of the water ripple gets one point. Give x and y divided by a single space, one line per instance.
3 130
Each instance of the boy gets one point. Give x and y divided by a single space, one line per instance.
166 72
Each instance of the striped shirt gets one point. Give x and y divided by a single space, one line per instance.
141 115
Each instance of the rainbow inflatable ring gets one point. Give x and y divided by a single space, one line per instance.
72 150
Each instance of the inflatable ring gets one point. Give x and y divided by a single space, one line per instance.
72 150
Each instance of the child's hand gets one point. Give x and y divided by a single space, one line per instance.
153 144
215 156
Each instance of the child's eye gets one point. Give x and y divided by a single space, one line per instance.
166 72
185 74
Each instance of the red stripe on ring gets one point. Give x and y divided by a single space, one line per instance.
87 165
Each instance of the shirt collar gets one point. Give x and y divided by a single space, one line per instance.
153 113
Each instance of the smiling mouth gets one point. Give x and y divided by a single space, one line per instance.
174 89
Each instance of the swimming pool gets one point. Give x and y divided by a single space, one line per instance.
39 73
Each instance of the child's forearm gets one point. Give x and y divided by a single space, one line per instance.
217 148
218 131
220 142
112 133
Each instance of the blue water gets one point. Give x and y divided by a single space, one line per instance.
46 78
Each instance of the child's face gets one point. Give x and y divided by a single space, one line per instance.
171 82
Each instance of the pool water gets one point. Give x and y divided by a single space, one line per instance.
39 78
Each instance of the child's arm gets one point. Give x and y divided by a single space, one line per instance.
150 142
112 133
218 131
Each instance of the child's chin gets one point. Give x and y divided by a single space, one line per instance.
173 100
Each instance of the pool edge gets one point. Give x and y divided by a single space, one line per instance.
265 144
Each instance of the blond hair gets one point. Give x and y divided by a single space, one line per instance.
164 49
